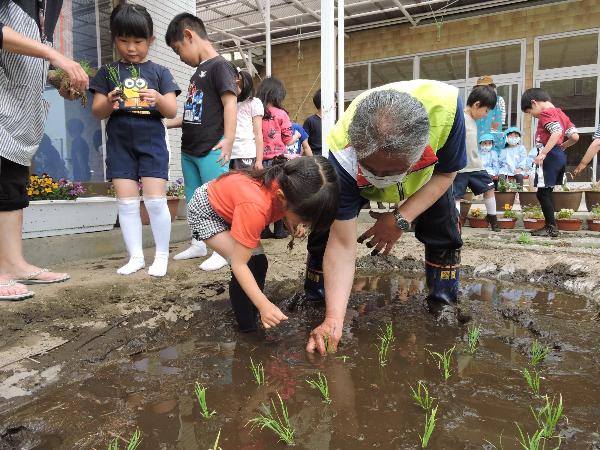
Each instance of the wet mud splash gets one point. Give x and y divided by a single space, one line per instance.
371 405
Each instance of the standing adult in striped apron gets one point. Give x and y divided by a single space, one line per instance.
26 29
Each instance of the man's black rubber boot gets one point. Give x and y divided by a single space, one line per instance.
493 221
442 274
314 285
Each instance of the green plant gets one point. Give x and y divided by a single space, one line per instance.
132 444
114 76
524 239
595 186
176 189
429 427
538 353
45 187
565 214
386 337
473 334
475 213
421 396
328 346
533 212
201 394
258 371
278 423
533 380
596 212
320 383
216 445
343 358
548 416
508 212
443 361
535 442
565 187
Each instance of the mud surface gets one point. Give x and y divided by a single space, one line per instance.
104 355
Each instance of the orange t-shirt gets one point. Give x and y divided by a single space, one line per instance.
246 204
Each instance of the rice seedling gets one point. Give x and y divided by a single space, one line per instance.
277 422
428 428
328 346
386 337
533 380
258 371
320 383
535 441
473 334
548 416
201 394
421 396
132 444
343 358
443 361
216 446
538 353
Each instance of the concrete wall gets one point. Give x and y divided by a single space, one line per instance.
403 39
162 13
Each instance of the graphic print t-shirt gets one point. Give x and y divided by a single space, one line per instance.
131 78
203 122
555 119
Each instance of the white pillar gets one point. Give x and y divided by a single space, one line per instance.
268 36
340 59
327 69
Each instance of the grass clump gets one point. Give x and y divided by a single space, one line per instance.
443 361
473 334
216 445
524 239
548 416
386 337
538 353
277 422
430 421
132 444
533 380
320 383
201 394
421 396
258 371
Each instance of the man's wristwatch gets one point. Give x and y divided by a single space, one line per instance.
401 222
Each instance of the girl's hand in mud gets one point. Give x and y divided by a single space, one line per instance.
384 234
329 331
271 315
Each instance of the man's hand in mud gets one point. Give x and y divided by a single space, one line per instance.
271 315
329 331
384 234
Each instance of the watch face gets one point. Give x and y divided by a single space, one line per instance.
402 223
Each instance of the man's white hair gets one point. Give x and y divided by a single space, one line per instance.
390 121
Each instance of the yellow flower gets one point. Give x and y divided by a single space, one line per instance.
506 207
55 186
29 192
36 192
48 190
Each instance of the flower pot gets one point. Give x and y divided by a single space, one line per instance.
58 217
172 203
593 225
464 211
504 198
566 200
506 224
569 224
592 198
478 222
528 199
534 224
182 209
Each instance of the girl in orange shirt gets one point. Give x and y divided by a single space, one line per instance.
230 212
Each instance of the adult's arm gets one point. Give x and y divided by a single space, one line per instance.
592 150
338 269
15 42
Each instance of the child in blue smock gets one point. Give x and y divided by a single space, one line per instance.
488 156
513 157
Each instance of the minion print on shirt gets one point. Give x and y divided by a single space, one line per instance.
131 95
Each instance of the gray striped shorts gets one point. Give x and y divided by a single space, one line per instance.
203 220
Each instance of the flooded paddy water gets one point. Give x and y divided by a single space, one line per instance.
371 406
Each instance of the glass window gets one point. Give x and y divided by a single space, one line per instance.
356 78
569 51
495 60
391 71
451 66
72 145
576 97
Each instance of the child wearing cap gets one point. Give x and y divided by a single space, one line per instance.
513 157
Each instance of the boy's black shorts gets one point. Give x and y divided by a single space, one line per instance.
13 185
479 182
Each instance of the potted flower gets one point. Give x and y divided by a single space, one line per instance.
566 222
533 217
593 223
508 219
477 218
56 208
566 198
506 193
592 196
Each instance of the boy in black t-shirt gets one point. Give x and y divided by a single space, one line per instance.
209 115
312 125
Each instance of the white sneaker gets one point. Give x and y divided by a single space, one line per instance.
215 262
196 250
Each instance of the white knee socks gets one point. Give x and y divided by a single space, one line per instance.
131 227
490 205
160 222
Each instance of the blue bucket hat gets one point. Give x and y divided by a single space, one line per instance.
486 137
512 130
